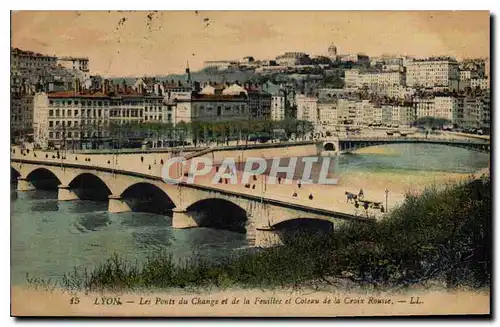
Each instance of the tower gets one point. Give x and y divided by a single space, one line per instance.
188 74
332 52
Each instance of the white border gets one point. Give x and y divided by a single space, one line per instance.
191 5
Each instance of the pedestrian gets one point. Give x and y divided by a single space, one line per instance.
155 162
142 159
254 177
294 194
299 185
310 196
149 167
361 194
279 180
161 161
253 187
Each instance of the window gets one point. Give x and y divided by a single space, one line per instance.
76 113
70 103
51 113
58 135
51 123
69 123
57 113
69 134
51 134
76 103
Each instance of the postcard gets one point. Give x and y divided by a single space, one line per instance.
250 163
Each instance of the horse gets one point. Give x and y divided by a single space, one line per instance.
350 196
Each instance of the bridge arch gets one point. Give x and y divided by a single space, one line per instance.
14 174
89 187
289 230
147 197
219 213
329 146
43 178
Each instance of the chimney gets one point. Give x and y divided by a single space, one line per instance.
105 86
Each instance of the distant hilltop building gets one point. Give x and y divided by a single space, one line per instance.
332 52
358 58
75 63
221 64
293 59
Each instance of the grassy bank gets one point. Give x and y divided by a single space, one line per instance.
440 235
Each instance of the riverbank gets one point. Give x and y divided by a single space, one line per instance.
411 246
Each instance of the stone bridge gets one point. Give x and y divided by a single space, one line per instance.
342 145
192 205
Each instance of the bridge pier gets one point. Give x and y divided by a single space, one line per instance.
267 237
182 219
24 185
117 205
64 193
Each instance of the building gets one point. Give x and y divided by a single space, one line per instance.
307 108
446 107
482 83
29 60
220 64
211 108
355 58
432 72
327 112
277 107
355 78
74 63
82 119
382 114
332 52
293 59
403 115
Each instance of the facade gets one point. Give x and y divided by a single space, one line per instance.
482 83
307 108
21 60
293 59
220 64
74 63
403 115
79 119
355 58
355 78
211 108
277 107
432 72
327 113
446 107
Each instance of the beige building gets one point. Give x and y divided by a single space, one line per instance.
74 63
355 78
21 60
277 107
482 83
432 72
327 113
82 119
307 108
211 108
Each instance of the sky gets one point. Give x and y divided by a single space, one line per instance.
142 43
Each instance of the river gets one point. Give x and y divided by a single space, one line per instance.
49 238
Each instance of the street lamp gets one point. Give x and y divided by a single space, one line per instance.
386 197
